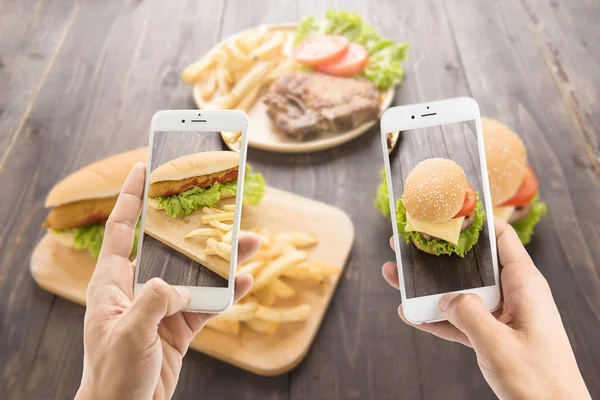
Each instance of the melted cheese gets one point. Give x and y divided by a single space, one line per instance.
448 231
504 213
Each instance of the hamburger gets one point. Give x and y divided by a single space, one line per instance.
82 202
513 184
439 213
186 184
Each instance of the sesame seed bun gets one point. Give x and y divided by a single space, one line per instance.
196 164
101 179
435 190
506 158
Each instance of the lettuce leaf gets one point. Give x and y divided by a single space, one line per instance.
384 68
466 240
254 187
382 199
525 226
184 203
90 237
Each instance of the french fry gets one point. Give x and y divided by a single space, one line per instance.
282 289
323 268
225 326
262 326
228 207
265 237
211 247
251 79
273 270
227 216
208 210
220 225
266 295
224 248
246 103
303 271
228 237
251 267
208 87
253 38
225 102
269 50
216 210
236 54
270 314
221 56
223 86
299 240
232 136
210 232
193 72
240 312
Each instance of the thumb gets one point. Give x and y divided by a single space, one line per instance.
470 315
157 300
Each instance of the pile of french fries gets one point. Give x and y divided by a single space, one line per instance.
282 258
233 74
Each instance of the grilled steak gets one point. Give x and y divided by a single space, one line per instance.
304 104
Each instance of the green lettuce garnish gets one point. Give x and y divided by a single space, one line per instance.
525 226
90 237
254 187
184 203
382 199
466 240
384 68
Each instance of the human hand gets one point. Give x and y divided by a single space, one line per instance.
134 347
522 349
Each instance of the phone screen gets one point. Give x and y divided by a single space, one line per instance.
443 233
189 220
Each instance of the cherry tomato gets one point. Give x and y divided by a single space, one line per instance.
469 204
318 50
351 63
526 191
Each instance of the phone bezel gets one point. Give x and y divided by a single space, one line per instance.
425 309
204 299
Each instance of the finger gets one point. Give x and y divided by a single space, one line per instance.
390 273
248 244
511 251
120 227
243 284
470 315
392 244
442 329
156 300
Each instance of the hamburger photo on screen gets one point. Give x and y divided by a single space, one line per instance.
189 214
439 208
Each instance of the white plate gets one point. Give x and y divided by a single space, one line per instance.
263 135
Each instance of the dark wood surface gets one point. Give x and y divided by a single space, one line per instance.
81 80
158 259
426 274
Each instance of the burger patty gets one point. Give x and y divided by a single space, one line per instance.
168 188
519 213
79 213
466 223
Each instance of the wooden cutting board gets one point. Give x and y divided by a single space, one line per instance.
66 273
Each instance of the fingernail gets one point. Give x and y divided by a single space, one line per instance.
184 293
446 299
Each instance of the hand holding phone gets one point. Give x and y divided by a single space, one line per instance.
439 196
192 205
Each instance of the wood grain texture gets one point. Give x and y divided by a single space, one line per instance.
32 32
523 95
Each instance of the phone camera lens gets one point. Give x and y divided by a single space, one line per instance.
413 117
183 120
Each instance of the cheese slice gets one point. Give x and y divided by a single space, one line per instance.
504 213
448 231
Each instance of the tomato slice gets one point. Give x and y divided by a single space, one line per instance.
318 50
526 191
469 204
351 63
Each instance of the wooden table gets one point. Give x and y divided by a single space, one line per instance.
81 79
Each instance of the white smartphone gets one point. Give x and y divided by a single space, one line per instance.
439 198
193 205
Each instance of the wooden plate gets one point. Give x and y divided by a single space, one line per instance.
66 273
262 134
